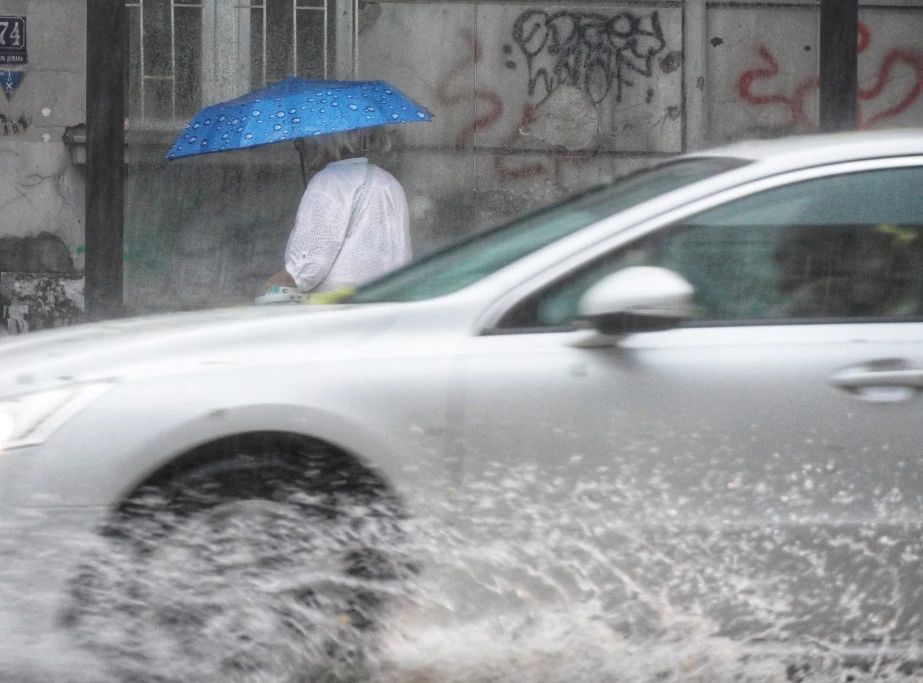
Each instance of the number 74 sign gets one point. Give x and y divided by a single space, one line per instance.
13 40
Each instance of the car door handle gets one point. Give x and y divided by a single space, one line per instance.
858 378
881 381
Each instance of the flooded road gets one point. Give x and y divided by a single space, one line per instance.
498 587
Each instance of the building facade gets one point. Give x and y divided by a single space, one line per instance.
530 102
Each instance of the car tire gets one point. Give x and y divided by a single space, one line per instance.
266 563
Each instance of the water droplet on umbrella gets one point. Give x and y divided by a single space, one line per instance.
354 107
278 126
395 117
222 118
370 109
240 129
388 92
248 136
296 120
292 111
280 114
208 122
421 115
235 121
195 125
225 136
192 138
323 111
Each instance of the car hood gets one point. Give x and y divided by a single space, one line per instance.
164 344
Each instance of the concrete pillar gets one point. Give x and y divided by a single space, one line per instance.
695 86
345 46
107 77
839 31
225 50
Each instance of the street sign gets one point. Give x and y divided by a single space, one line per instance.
9 81
13 40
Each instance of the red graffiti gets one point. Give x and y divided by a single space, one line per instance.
865 36
534 168
527 170
897 56
795 102
483 121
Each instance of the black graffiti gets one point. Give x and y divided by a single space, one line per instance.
11 126
37 301
598 53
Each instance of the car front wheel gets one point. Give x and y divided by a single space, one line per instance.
259 564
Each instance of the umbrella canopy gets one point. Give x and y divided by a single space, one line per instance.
291 109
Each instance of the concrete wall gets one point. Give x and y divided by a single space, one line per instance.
40 189
762 68
531 102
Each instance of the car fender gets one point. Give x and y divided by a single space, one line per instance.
75 471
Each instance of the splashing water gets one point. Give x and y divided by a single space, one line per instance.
514 578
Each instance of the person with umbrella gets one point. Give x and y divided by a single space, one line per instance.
352 223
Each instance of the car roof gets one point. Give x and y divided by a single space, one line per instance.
798 151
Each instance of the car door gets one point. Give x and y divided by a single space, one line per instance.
754 471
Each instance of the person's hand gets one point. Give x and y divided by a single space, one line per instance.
280 279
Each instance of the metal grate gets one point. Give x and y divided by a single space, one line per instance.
292 38
165 69
186 52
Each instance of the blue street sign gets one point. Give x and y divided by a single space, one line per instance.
9 81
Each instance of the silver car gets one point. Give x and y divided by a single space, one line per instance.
686 402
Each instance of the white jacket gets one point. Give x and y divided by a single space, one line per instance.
321 255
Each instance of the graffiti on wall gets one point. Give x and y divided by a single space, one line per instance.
39 286
489 111
14 126
489 105
39 301
577 67
601 54
755 87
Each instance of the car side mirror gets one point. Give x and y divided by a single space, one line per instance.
637 299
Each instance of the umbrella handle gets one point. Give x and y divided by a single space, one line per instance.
304 175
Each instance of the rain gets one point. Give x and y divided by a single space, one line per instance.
604 421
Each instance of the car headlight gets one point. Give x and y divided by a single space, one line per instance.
29 419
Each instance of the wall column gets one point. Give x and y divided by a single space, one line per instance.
839 31
107 71
695 71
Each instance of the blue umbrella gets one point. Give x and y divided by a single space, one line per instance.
291 109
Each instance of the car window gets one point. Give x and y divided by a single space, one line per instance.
842 247
471 259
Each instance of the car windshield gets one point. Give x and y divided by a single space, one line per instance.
477 256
